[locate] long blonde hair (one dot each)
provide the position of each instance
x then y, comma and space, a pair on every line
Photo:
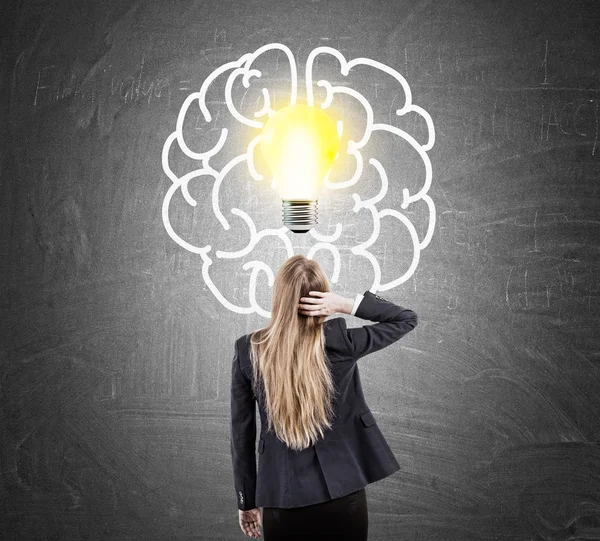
289, 355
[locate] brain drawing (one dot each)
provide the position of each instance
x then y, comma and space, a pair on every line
221, 193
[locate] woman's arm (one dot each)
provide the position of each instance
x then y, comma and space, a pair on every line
393, 320
243, 436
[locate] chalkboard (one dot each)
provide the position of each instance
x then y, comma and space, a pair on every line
117, 339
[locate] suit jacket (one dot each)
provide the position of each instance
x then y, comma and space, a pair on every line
352, 454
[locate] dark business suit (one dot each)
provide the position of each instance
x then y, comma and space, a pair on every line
352, 454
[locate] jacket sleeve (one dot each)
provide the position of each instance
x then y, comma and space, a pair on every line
393, 322
243, 436
357, 302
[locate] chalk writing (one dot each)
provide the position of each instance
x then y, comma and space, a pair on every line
560, 288
52, 86
545, 64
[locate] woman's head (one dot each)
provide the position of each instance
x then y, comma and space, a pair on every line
295, 279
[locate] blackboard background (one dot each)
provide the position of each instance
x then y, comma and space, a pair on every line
115, 359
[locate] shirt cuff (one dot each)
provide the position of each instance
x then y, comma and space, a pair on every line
357, 301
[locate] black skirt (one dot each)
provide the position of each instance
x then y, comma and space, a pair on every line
344, 518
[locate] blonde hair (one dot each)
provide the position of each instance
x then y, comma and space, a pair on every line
289, 355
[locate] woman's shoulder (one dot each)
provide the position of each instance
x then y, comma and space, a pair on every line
333, 323
244, 340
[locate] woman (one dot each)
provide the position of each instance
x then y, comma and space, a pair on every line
319, 444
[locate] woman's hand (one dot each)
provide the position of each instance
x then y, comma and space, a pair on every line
250, 520
324, 303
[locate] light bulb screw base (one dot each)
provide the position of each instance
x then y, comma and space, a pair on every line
299, 215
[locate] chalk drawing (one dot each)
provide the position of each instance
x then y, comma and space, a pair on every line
242, 70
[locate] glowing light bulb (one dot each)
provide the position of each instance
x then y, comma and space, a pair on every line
300, 144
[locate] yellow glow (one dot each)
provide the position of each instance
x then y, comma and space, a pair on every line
300, 144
